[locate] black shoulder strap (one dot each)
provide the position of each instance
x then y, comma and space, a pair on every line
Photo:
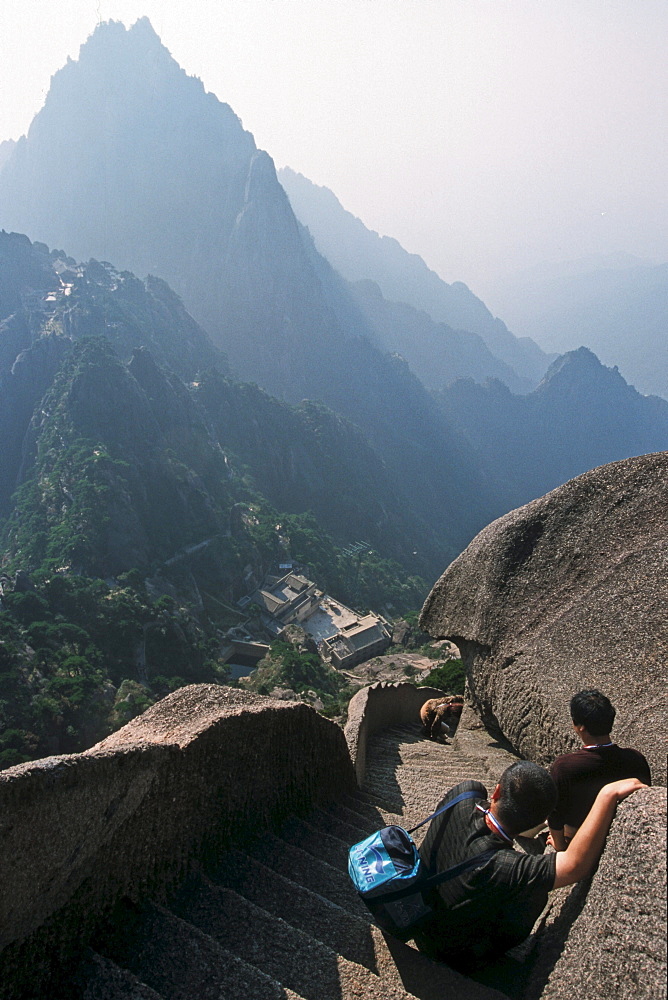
428, 883
459, 869
471, 794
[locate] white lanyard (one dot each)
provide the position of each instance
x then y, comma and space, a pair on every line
596, 746
494, 822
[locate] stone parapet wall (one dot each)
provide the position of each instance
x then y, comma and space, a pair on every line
202, 770
377, 706
616, 947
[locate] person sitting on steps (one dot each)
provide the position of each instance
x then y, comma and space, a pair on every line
439, 712
479, 915
579, 775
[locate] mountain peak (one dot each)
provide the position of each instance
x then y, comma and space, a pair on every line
113, 32
144, 29
581, 367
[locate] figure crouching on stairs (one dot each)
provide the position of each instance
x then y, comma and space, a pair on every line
439, 712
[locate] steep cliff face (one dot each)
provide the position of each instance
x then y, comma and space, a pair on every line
47, 303
108, 489
79, 178
567, 593
130, 160
307, 458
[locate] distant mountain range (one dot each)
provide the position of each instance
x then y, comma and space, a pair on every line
581, 415
147, 170
436, 353
360, 254
616, 305
130, 162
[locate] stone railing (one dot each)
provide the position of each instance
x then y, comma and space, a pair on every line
203, 769
377, 706
609, 940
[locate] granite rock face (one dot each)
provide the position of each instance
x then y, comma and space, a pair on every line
617, 946
568, 592
202, 770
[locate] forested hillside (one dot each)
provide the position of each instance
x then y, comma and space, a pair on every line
144, 491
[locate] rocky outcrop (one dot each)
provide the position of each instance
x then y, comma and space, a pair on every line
617, 946
565, 593
199, 772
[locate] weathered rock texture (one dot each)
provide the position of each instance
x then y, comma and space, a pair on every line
568, 592
617, 946
197, 773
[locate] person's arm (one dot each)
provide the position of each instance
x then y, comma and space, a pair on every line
579, 859
557, 839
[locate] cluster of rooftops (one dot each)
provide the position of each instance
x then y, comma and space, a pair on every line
343, 637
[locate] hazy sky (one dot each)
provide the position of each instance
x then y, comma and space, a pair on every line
485, 135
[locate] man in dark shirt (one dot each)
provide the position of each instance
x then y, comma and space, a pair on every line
481, 914
580, 775
488, 910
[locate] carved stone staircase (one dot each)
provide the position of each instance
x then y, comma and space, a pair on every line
281, 919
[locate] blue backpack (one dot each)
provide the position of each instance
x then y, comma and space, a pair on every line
390, 876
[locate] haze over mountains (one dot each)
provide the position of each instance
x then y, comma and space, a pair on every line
132, 163
617, 305
106, 365
582, 414
359, 253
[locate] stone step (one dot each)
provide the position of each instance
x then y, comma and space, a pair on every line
399, 745
295, 958
299, 906
101, 979
337, 826
415, 755
353, 938
362, 824
441, 776
318, 842
405, 731
361, 807
375, 817
451, 760
428, 750
332, 882
182, 962
434, 980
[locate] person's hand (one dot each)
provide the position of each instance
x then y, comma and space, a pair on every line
623, 788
